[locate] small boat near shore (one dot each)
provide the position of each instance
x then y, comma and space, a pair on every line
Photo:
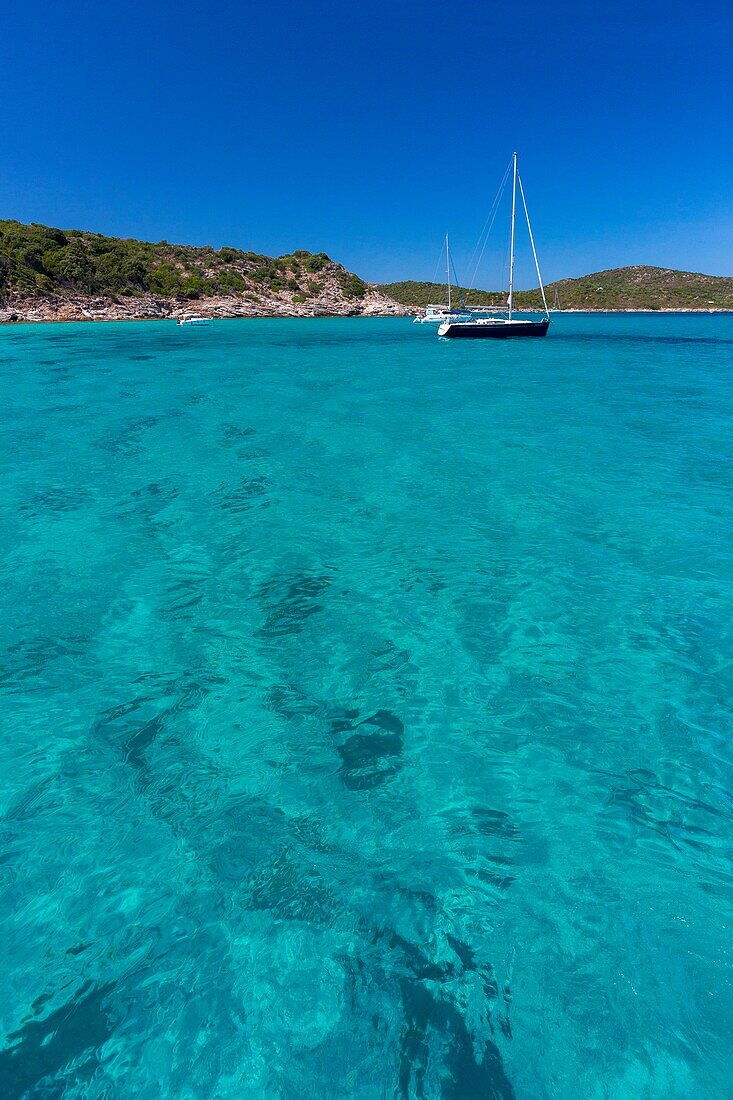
436, 314
504, 328
193, 319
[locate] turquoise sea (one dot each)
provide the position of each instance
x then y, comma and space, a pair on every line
366, 705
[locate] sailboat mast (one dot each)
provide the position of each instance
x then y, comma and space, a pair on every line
511, 246
534, 250
447, 266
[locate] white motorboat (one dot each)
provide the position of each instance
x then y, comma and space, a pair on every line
435, 315
193, 319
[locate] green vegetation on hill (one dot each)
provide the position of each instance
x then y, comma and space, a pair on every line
38, 261
419, 295
643, 288
620, 288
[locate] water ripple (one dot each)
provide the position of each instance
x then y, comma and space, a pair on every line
366, 711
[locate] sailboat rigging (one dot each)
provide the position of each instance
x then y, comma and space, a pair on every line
435, 314
509, 326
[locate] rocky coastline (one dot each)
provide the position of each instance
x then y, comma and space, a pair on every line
49, 274
153, 307
146, 307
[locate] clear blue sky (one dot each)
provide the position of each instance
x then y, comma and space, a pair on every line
367, 130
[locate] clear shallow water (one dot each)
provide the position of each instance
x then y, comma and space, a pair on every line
367, 709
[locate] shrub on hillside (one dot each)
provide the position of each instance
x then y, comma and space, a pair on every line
351, 285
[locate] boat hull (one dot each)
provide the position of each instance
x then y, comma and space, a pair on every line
506, 330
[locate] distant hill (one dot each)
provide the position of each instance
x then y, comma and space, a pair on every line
620, 288
418, 295
48, 273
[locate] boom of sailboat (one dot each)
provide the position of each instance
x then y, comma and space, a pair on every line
467, 322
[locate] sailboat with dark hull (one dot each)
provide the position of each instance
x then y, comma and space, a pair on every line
509, 327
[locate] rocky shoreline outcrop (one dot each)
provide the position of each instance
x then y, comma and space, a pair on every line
147, 307
49, 274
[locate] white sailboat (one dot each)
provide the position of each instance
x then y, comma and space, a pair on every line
436, 314
503, 328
